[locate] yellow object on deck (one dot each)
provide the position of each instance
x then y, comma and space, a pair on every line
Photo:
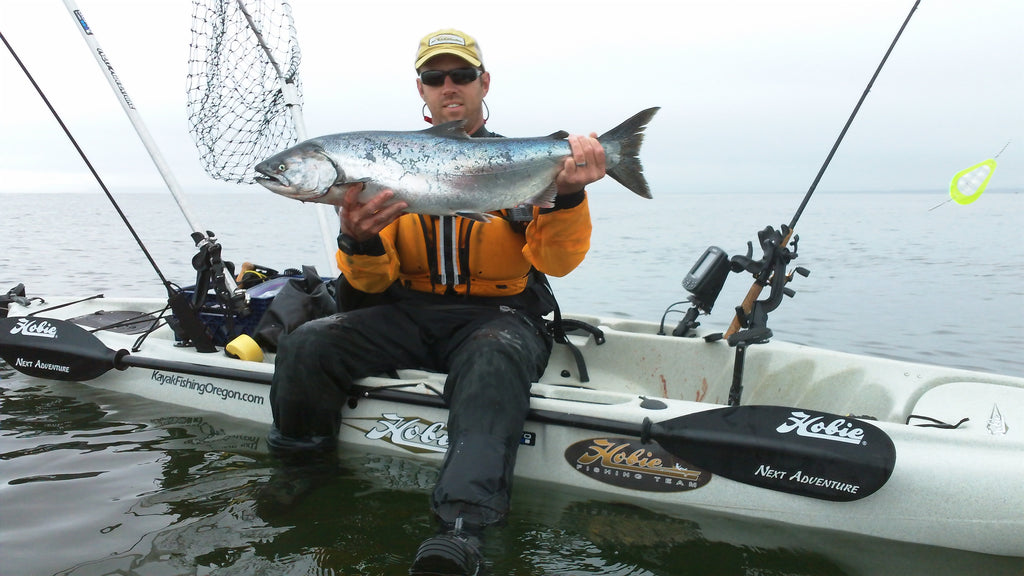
245, 348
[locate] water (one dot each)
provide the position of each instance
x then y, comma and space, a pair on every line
96, 483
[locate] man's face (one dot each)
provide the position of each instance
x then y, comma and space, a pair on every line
451, 101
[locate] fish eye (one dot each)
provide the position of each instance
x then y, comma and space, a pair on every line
281, 167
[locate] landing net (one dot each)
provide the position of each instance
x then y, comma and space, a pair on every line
243, 84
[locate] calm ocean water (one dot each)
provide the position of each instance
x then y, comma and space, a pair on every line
95, 483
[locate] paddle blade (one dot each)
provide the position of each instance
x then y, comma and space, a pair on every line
53, 349
802, 452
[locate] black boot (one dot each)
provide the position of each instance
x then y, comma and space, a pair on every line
452, 553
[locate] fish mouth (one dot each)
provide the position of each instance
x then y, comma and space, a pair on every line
271, 181
269, 178
279, 184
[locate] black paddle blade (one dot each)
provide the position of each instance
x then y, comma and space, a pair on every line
53, 349
802, 452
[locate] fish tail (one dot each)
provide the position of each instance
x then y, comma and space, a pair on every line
628, 137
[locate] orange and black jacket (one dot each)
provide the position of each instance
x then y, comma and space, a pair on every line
453, 255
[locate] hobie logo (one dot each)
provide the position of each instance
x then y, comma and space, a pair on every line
413, 434
39, 328
621, 462
838, 430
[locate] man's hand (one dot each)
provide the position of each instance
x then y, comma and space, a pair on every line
585, 166
363, 221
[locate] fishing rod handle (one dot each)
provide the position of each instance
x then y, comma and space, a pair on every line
760, 281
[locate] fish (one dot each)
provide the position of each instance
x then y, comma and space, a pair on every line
443, 171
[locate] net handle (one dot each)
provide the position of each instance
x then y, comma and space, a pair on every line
291, 96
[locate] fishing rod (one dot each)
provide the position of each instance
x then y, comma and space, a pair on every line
188, 322
211, 270
768, 272
705, 279
85, 158
208, 263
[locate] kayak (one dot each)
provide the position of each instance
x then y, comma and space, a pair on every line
820, 439
687, 424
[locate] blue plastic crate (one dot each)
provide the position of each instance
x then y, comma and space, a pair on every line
214, 316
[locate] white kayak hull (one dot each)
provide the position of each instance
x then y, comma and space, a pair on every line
956, 488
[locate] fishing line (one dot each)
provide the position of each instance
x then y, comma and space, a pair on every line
1003, 148
88, 164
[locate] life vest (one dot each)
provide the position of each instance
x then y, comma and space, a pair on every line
453, 255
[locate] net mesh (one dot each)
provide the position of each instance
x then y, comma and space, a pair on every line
243, 79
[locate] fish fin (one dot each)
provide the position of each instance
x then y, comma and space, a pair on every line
453, 129
629, 135
546, 199
478, 216
560, 135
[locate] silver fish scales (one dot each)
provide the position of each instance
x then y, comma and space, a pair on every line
443, 171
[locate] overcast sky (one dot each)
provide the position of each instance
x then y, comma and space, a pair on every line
753, 93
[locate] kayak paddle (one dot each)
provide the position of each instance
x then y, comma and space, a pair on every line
792, 450
61, 350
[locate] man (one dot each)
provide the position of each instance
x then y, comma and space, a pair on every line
461, 300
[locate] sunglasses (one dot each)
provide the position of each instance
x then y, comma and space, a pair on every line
459, 75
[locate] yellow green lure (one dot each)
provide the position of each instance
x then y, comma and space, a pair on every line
968, 184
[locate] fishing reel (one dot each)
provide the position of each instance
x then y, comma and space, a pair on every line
750, 325
706, 278
212, 271
769, 270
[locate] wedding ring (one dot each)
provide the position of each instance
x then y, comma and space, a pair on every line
581, 164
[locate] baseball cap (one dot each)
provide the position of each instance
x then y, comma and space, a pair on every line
449, 41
